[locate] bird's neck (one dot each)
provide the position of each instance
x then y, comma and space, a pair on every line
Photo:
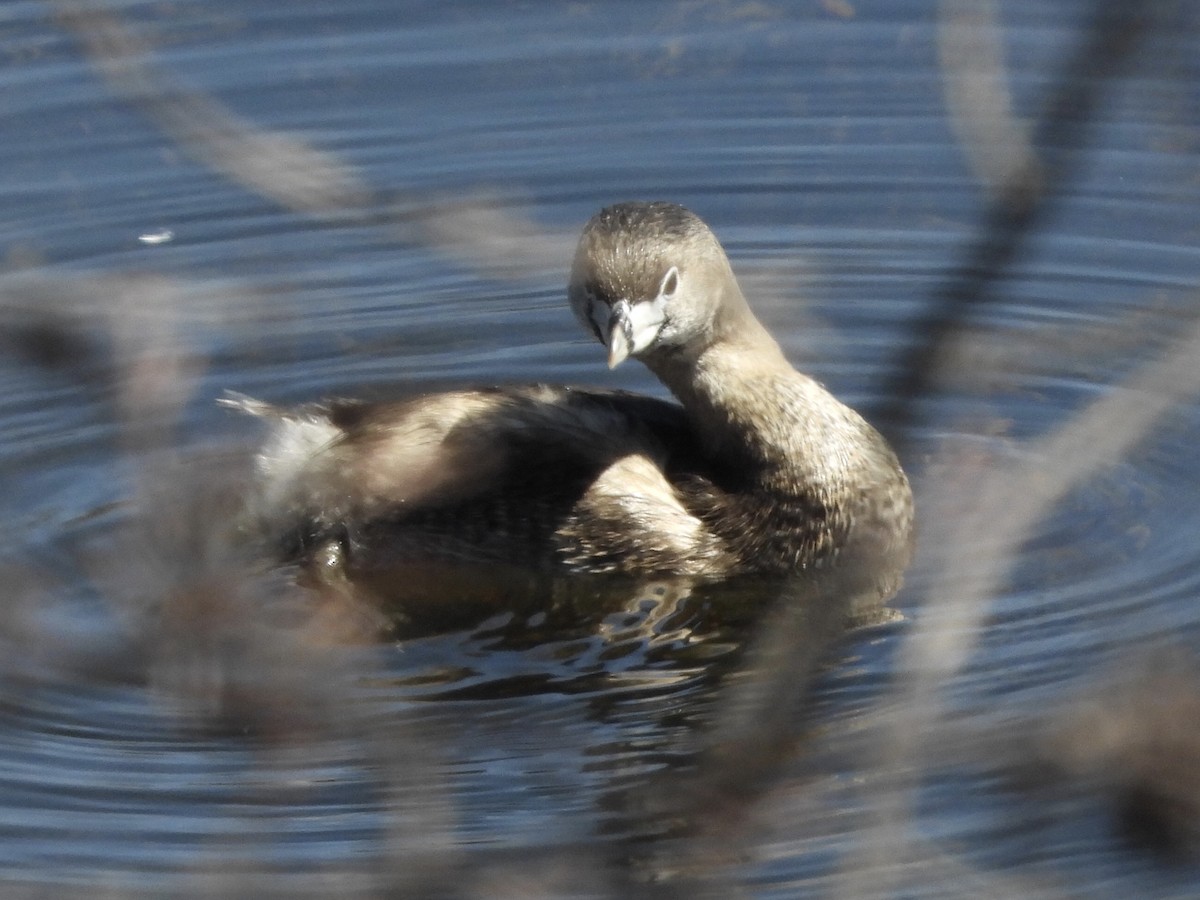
786, 454
754, 412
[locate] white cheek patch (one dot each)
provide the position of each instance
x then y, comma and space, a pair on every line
645, 320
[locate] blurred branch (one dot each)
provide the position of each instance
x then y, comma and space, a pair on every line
121, 337
970, 48
289, 172
476, 231
1111, 37
972, 552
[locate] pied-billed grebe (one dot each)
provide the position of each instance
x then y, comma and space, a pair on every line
758, 469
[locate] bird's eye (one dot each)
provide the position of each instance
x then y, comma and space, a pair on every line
670, 283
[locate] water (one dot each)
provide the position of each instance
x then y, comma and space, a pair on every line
208, 755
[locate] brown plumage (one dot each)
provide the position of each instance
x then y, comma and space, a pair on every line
757, 469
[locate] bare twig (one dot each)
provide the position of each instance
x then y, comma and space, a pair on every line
288, 171
973, 79
1060, 136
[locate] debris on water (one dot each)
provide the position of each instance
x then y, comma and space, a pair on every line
159, 236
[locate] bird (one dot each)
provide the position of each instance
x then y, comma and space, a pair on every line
753, 469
